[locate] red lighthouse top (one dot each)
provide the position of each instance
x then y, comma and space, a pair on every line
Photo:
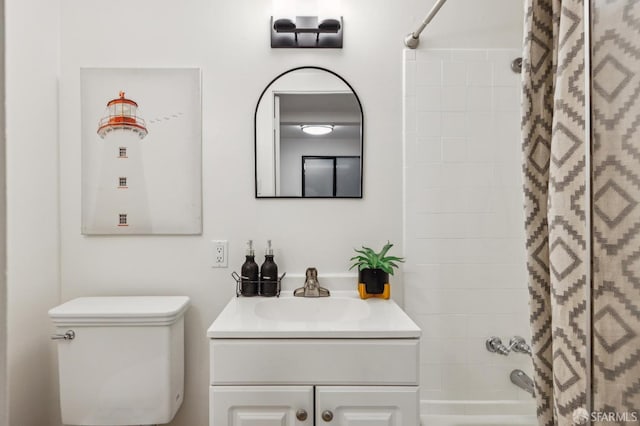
121, 115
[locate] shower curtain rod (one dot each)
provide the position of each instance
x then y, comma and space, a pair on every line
413, 39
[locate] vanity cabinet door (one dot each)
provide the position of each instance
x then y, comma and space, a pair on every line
261, 406
367, 406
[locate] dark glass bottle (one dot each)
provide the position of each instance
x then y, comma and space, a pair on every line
249, 273
269, 274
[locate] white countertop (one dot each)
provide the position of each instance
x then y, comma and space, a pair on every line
341, 315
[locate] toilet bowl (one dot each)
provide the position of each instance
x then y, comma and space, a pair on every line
120, 359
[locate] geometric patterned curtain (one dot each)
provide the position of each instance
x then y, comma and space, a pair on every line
616, 210
554, 169
553, 129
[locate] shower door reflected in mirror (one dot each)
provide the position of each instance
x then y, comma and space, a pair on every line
309, 113
330, 176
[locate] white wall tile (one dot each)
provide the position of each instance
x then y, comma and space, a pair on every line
409, 115
507, 125
409, 55
443, 351
433, 55
428, 150
502, 73
409, 80
429, 98
462, 377
483, 149
429, 123
430, 377
425, 175
423, 275
479, 124
505, 173
469, 55
428, 73
479, 99
468, 175
465, 274
430, 225
454, 149
506, 98
454, 74
490, 276
467, 250
429, 202
453, 124
438, 301
467, 200
454, 98
438, 326
499, 301
479, 73
501, 325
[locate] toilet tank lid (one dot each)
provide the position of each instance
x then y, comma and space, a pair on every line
123, 310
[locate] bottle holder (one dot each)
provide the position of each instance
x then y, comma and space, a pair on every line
258, 283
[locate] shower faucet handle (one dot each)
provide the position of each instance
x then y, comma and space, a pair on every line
518, 344
494, 344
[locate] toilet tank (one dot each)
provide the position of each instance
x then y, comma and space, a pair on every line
125, 365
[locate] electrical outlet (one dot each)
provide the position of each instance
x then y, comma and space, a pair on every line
220, 252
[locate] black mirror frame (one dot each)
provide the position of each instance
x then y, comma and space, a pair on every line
255, 139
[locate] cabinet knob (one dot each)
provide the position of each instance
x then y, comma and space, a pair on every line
301, 414
327, 415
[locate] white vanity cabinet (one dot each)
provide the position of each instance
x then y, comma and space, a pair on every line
261, 405
366, 405
294, 405
281, 372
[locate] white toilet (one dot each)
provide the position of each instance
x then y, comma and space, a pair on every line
120, 359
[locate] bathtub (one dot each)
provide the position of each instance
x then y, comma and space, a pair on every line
477, 413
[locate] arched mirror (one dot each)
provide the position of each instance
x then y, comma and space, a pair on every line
308, 137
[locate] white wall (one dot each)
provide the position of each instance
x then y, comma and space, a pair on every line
32, 55
465, 276
229, 41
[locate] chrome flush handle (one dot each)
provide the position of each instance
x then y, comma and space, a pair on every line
69, 335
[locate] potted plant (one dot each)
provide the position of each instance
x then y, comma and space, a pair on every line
374, 270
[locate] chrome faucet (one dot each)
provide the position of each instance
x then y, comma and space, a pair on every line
494, 344
518, 344
311, 286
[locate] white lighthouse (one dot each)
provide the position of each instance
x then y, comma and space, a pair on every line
121, 202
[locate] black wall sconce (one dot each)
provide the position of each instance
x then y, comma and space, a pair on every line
306, 32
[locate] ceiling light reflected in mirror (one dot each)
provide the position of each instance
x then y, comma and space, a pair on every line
317, 129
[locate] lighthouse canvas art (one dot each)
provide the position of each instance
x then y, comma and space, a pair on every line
141, 151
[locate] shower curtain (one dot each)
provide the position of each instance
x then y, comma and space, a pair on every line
554, 175
577, 356
615, 94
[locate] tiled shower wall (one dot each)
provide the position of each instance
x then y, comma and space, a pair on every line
465, 270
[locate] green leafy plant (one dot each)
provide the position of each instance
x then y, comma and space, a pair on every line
369, 259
